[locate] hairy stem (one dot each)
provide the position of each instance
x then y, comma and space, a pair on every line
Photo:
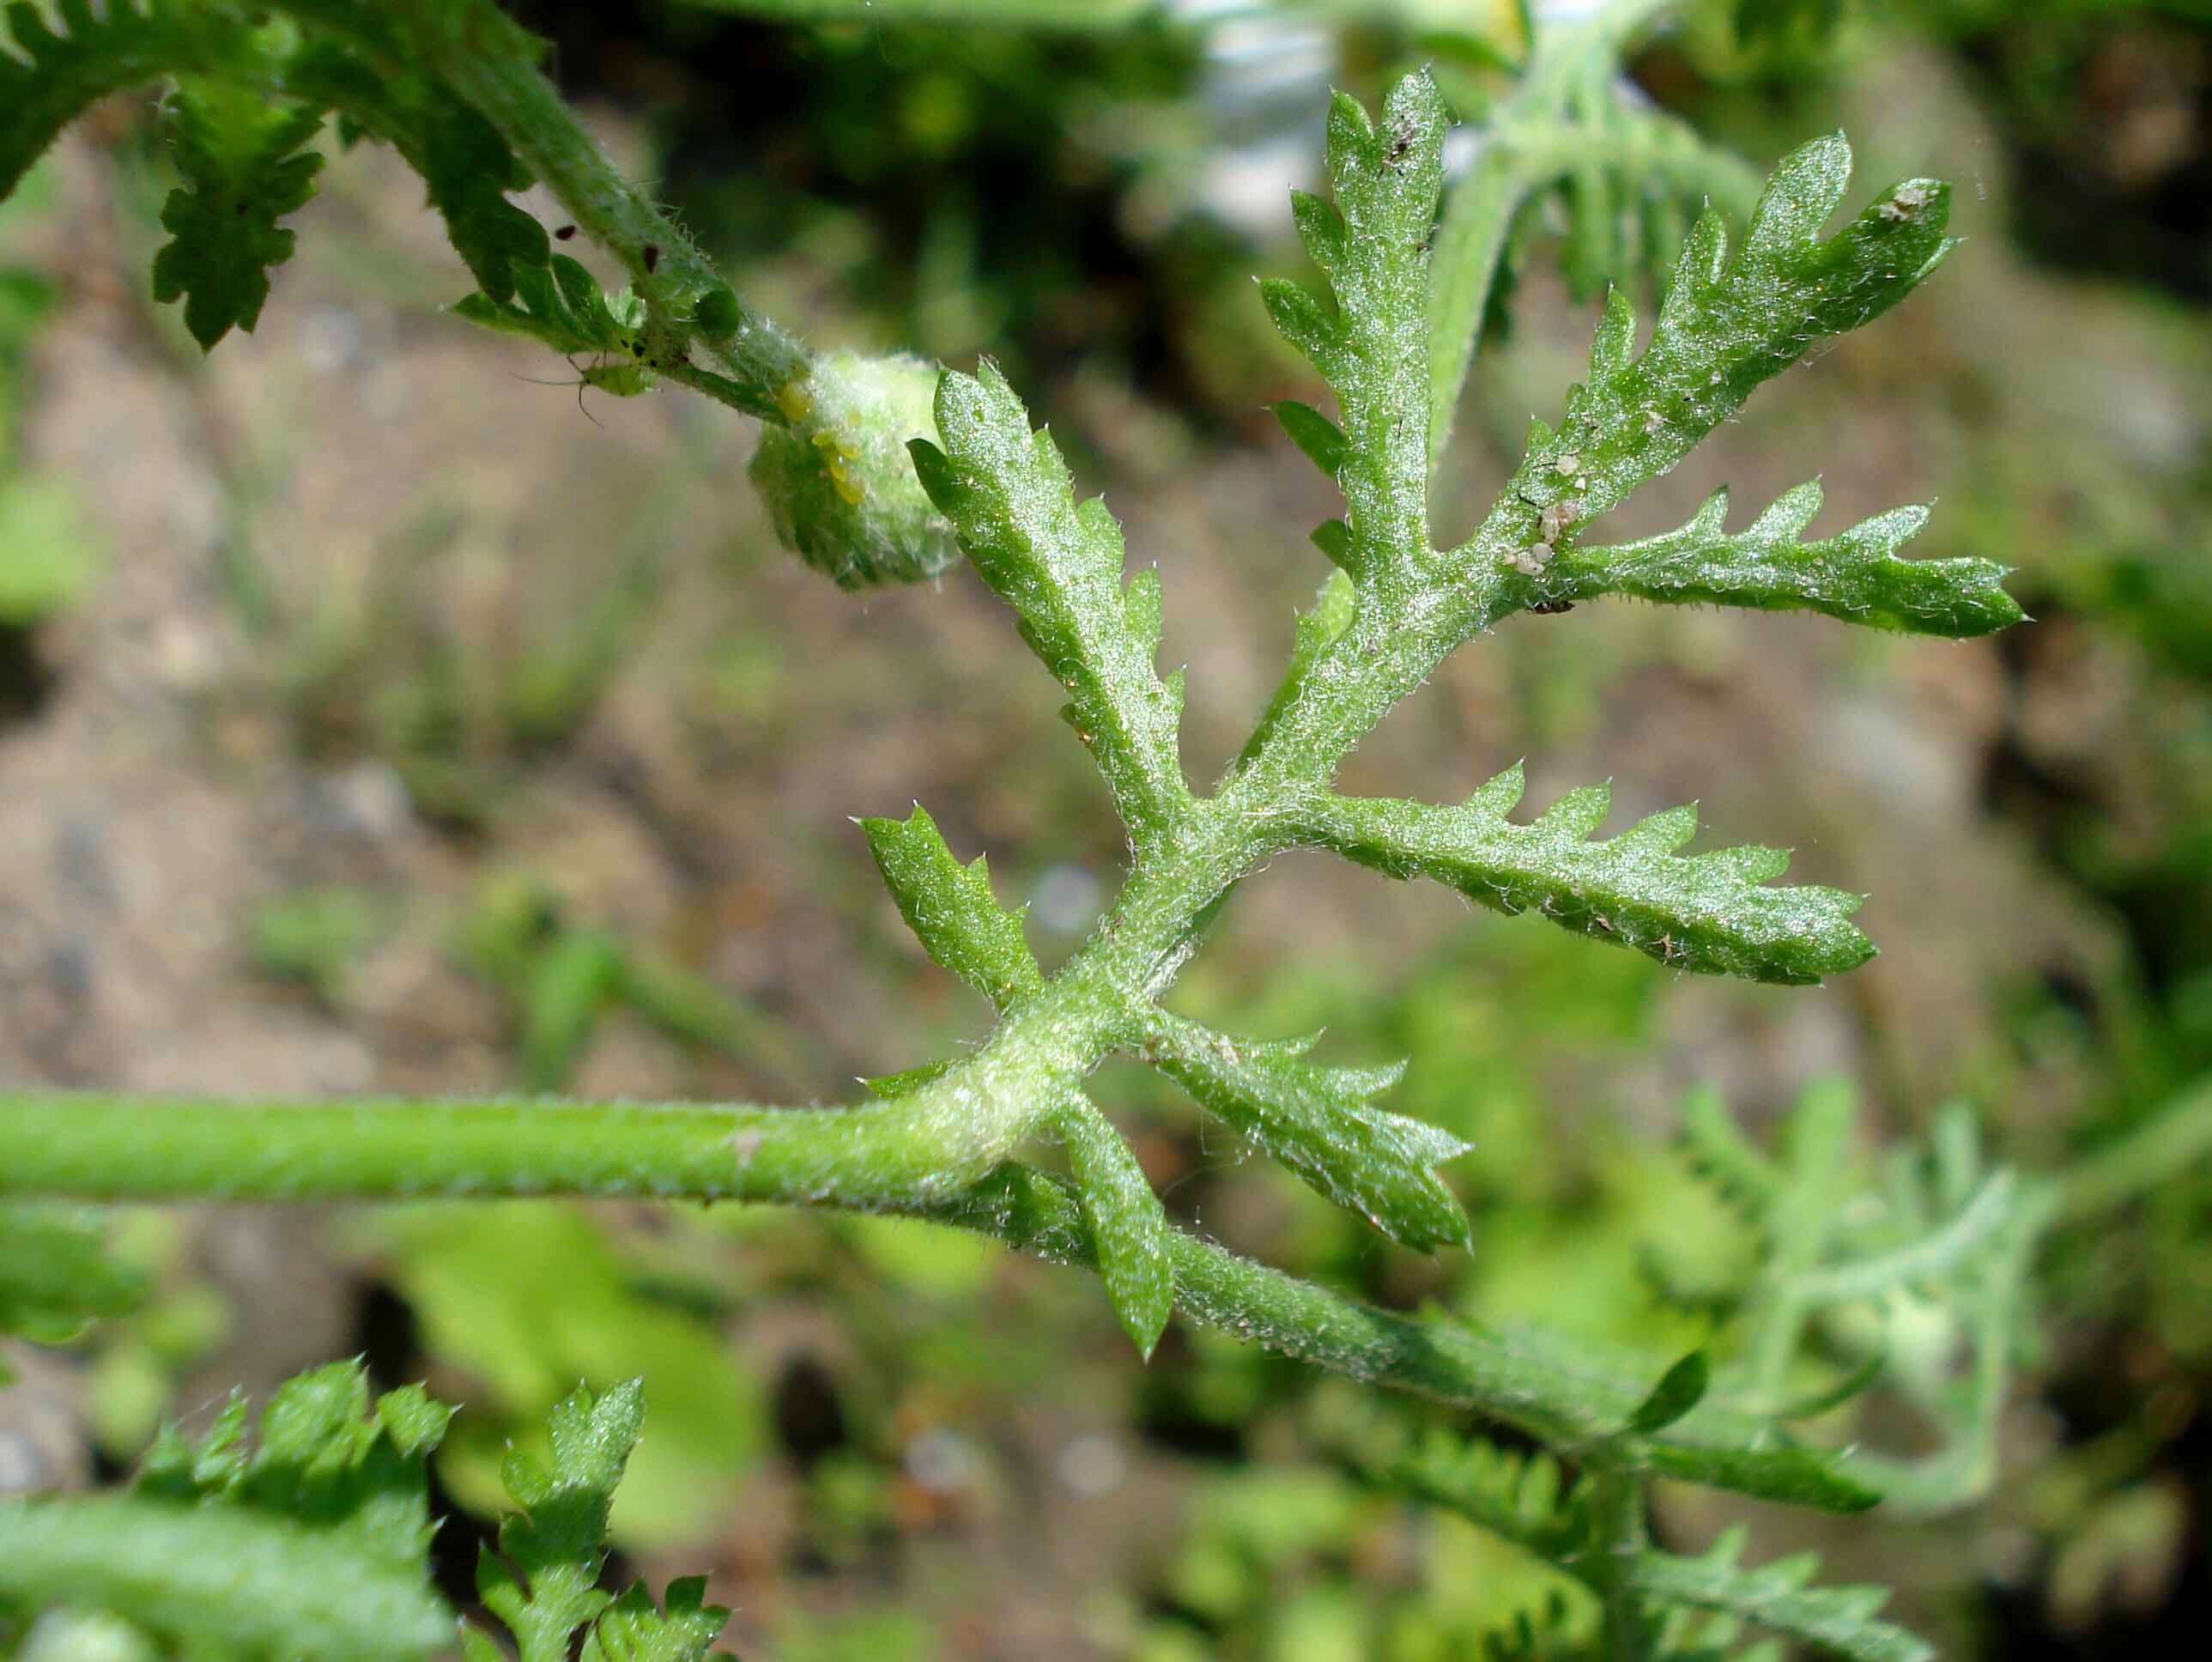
114, 1146
1618, 1537
489, 62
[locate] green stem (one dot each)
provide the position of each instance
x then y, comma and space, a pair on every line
1470, 246
2177, 1135
1618, 1539
1799, 1226
115, 1147
491, 63
1562, 119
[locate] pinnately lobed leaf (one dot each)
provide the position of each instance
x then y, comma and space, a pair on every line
1726, 325
561, 304
1712, 913
543, 1580
311, 1541
1372, 350
244, 168
466, 167
1630, 176
1854, 575
951, 909
52, 75
1322, 1124
1841, 1621
1394, 609
1059, 565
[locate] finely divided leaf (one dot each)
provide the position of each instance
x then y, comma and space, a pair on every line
1841, 1621
1855, 575
632, 1630
244, 168
1718, 1151
1633, 178
1372, 348
217, 1581
323, 1458
464, 162
1059, 565
1520, 1497
1978, 1226
543, 1580
312, 1541
562, 304
1128, 1226
123, 45
951, 909
1322, 1124
1726, 325
1711, 912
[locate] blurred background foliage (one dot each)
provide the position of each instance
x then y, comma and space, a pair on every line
373, 718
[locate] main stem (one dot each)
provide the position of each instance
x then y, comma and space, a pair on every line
107, 1147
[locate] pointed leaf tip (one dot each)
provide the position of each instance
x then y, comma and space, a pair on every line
1807, 187
1128, 1226
1680, 1389
951, 909
1321, 438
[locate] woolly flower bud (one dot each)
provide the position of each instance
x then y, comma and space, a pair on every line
838, 479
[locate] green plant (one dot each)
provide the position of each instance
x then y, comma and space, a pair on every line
333, 1498
47, 557
311, 1538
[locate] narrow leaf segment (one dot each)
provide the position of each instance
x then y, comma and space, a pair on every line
1129, 1227
1322, 1124
1059, 565
1779, 1597
1524, 1499
1726, 326
1680, 1389
543, 1580
1372, 348
245, 167
1712, 913
950, 908
311, 1540
1854, 575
